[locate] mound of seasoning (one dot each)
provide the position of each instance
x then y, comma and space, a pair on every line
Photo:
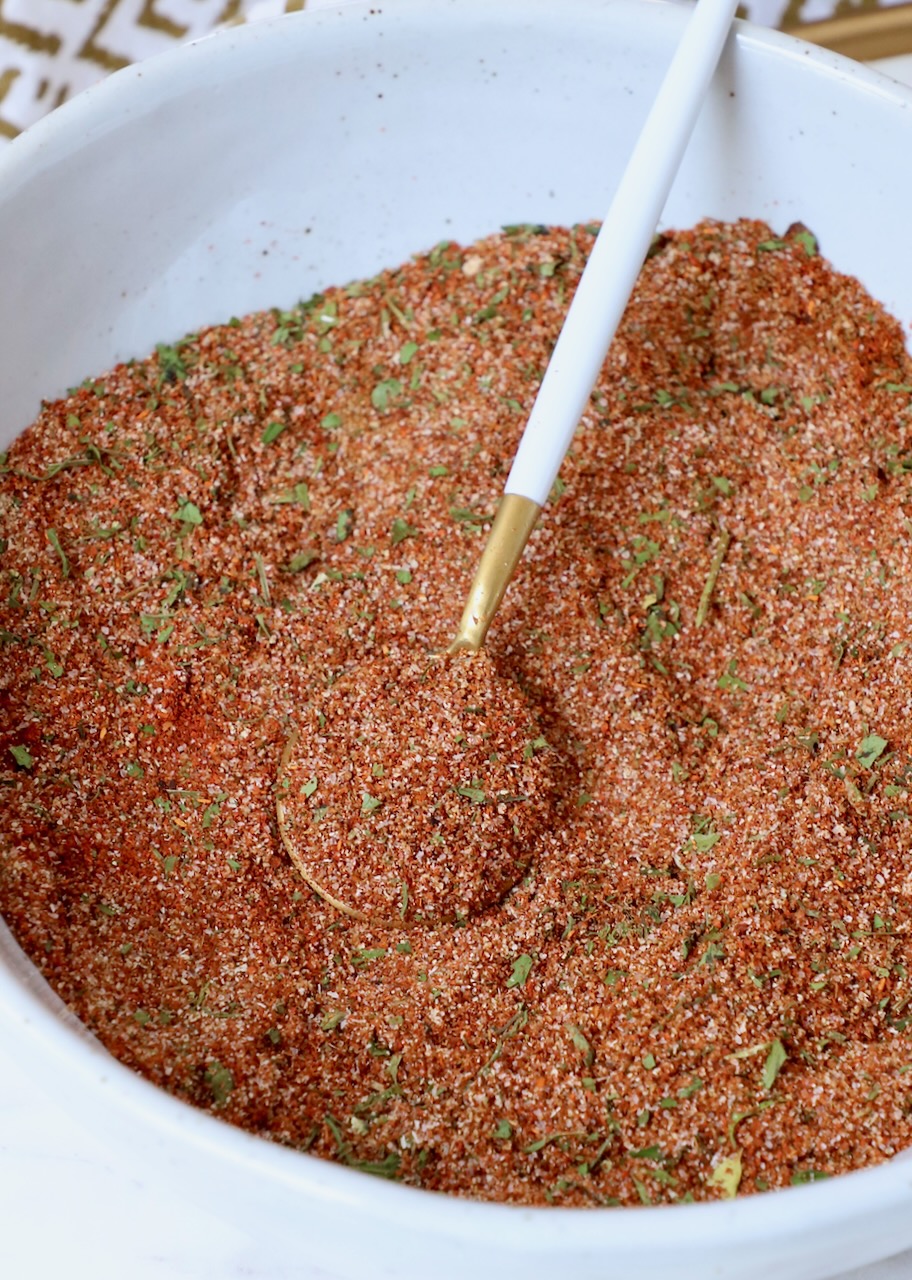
416, 793
699, 982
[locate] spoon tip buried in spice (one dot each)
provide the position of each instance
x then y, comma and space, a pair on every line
416, 795
516, 518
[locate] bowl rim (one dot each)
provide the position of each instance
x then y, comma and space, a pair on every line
85, 111
34, 1011
30, 1011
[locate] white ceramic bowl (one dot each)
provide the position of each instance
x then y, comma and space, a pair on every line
247, 171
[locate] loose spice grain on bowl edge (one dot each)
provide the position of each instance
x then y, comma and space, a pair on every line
701, 983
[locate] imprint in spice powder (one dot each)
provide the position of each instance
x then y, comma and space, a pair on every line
664, 818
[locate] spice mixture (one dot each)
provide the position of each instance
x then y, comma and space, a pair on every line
700, 980
451, 754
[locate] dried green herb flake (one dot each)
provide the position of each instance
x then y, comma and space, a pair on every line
51, 535
871, 749
580, 1043
188, 513
220, 1082
726, 1175
401, 530
272, 431
522, 967
775, 1060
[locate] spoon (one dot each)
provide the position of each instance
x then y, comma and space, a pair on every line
429, 835
595, 312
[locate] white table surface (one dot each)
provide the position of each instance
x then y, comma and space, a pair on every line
68, 1209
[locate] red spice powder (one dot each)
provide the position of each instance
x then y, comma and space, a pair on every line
700, 980
416, 793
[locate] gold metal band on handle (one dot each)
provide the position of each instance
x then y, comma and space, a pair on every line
515, 520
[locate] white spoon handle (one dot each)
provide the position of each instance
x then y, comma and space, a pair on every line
598, 304
618, 254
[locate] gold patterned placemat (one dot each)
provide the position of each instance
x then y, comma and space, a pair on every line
860, 30
52, 49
